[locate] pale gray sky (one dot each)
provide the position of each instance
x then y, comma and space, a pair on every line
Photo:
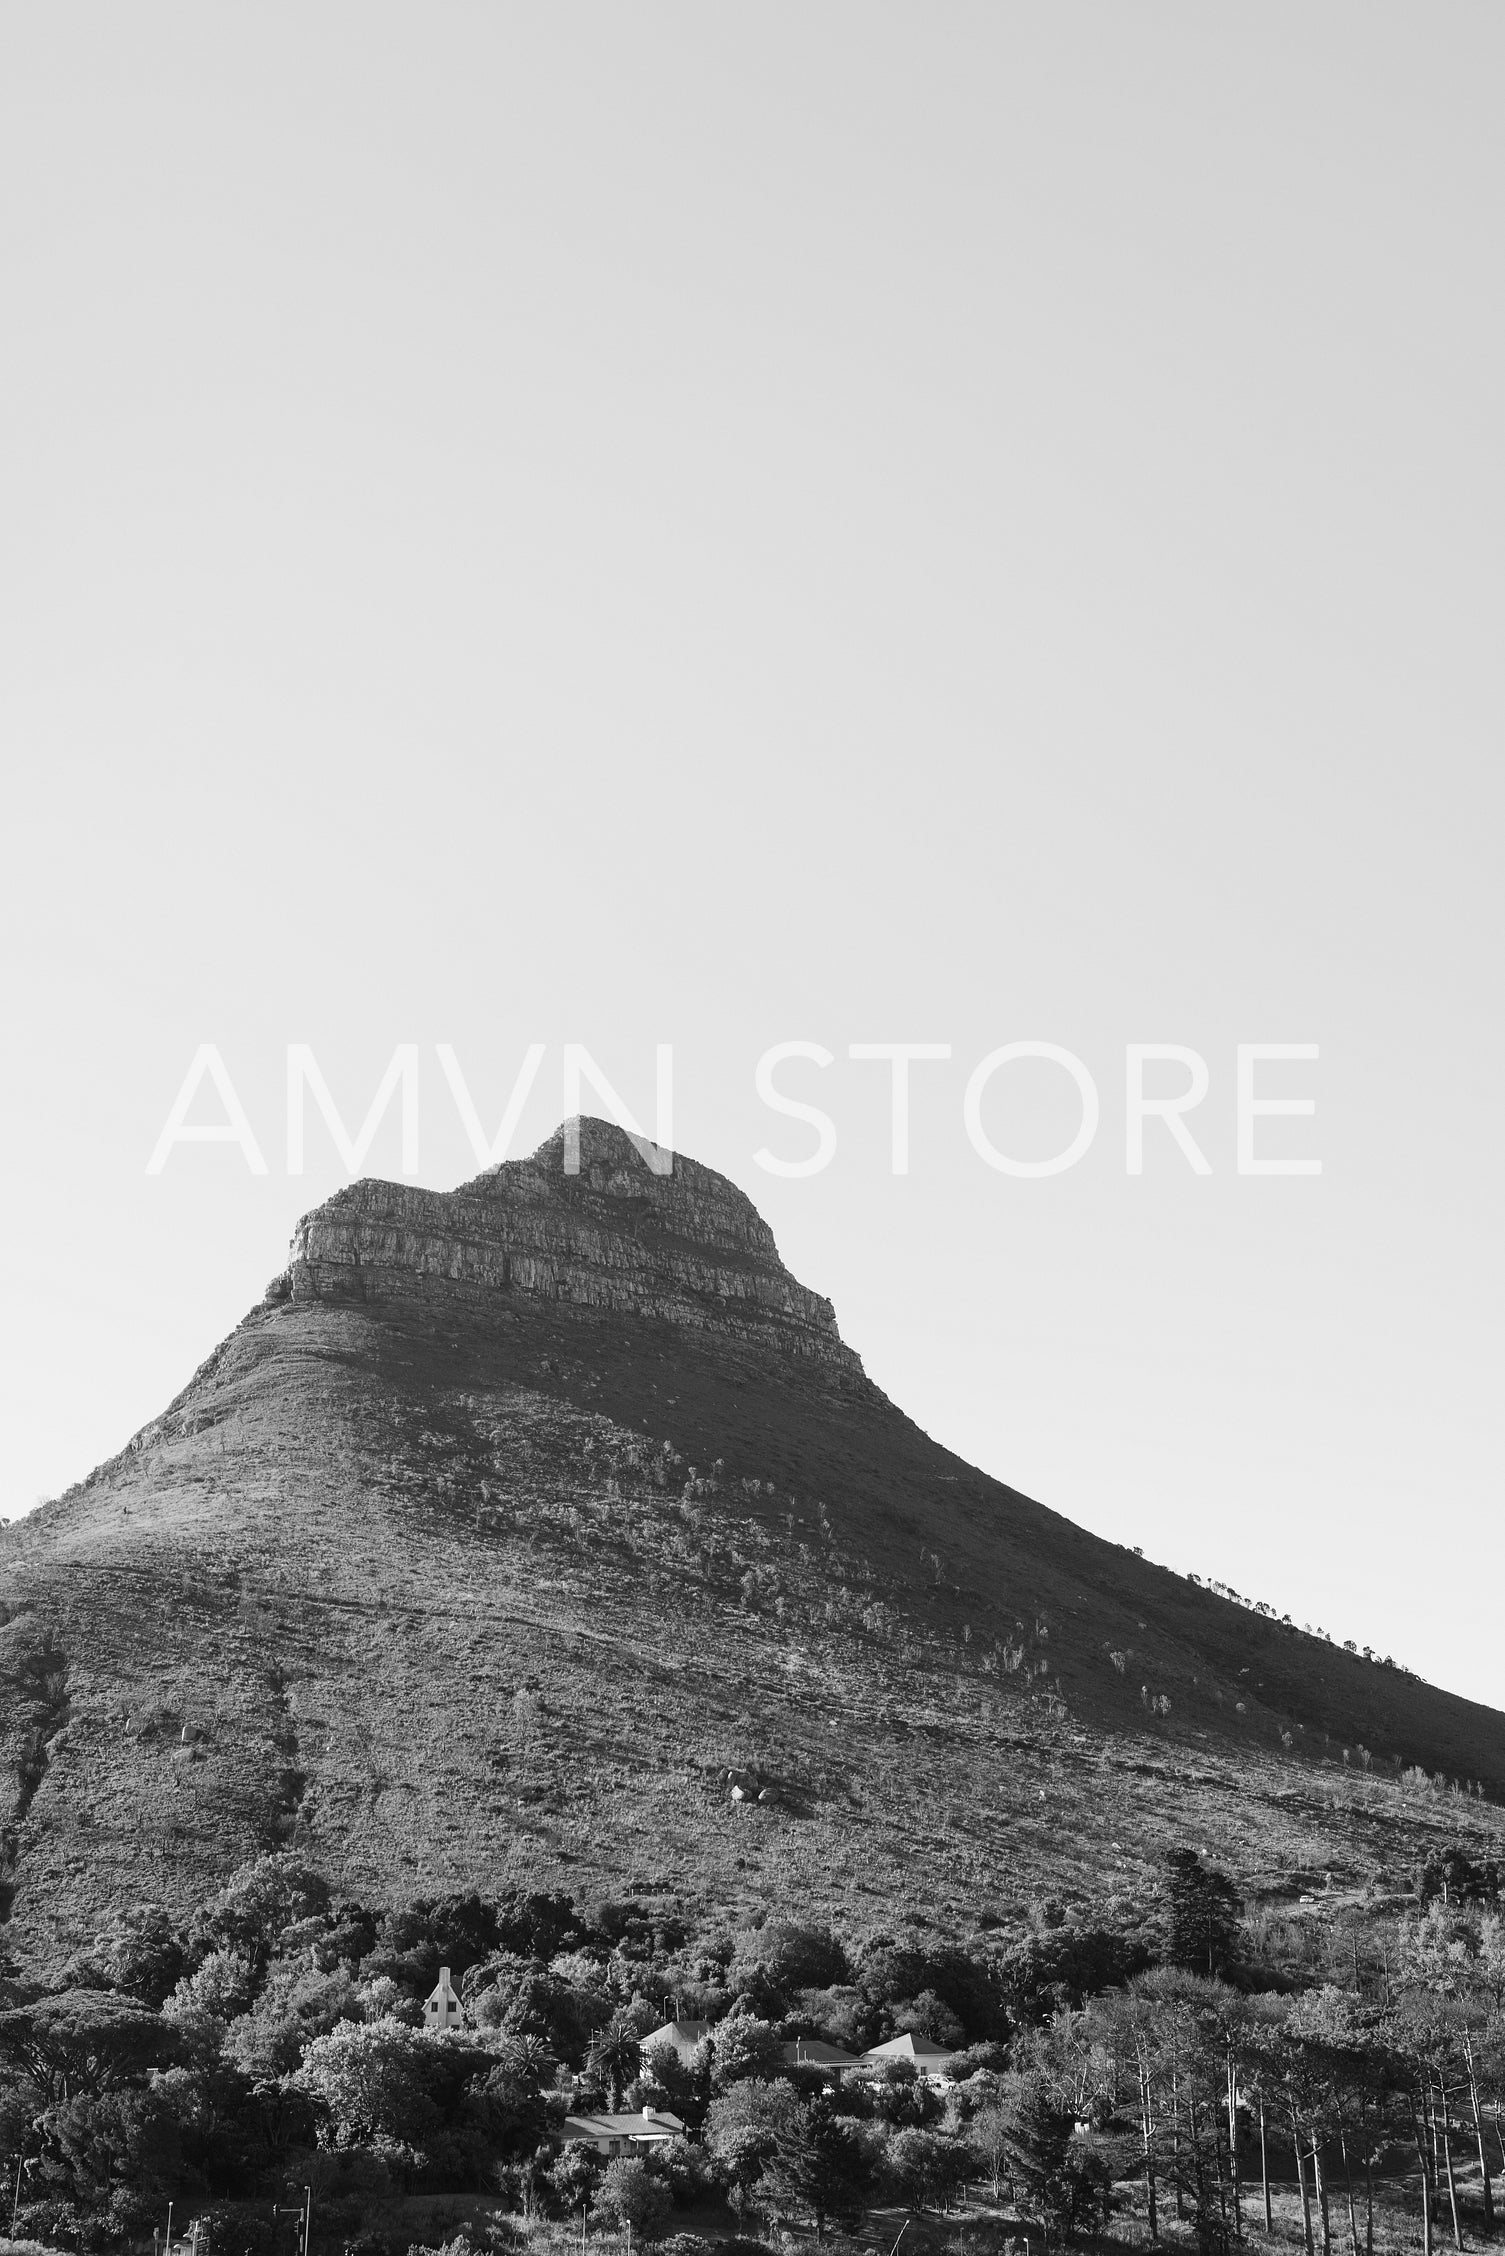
838, 523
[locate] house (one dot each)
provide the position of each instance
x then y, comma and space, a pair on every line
929, 2060
814, 2052
683, 2035
622, 2134
441, 2008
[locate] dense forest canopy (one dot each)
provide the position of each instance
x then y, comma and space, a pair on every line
1197, 2075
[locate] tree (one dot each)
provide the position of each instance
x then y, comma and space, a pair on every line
900, 2095
629, 2194
743, 2046
298, 2002
664, 2080
108, 2141
1203, 1909
1066, 1966
505, 2109
575, 2175
1422, 2037
1454, 1956
771, 1965
256, 1904
906, 1979
818, 2165
616, 2053
140, 1952
382, 2080
987, 2135
746, 2126
929, 2016
1450, 1875
84, 2041
1064, 2189
418, 1938
219, 1989
1127, 2025
928, 2167
1339, 2072
804, 1958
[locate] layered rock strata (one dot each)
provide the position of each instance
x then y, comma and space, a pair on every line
612, 1236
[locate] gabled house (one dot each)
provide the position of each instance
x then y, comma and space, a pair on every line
929, 2060
814, 2052
683, 2035
622, 2134
442, 2008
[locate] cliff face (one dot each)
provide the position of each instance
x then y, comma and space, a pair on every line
585, 1223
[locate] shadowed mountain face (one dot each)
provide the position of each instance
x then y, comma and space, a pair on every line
516, 1518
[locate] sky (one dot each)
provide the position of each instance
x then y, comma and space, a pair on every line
836, 524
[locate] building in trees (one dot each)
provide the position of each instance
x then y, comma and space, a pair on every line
929, 2059
442, 2008
622, 2133
684, 2036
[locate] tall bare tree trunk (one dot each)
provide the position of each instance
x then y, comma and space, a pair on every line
1199, 2168
1353, 2215
1147, 2125
1447, 2156
1368, 2190
1321, 2184
1233, 2154
1473, 2097
1306, 2206
1426, 2184
1264, 2165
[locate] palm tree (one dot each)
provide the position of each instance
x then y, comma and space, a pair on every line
528, 2056
616, 2054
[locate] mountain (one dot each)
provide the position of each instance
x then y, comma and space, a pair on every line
546, 1531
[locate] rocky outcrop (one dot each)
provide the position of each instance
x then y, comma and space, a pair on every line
613, 1236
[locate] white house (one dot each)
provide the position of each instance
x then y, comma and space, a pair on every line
441, 2008
930, 2060
684, 2036
623, 2134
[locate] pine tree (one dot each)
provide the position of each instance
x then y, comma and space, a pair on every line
1204, 1908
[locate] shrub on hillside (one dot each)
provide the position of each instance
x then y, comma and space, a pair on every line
631, 2194
901, 2097
927, 2168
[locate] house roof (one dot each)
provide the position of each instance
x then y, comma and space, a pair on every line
657, 2124
910, 2047
678, 2033
814, 2052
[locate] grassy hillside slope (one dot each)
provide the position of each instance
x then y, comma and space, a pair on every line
452, 1587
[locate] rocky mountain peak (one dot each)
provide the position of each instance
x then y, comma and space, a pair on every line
587, 1223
